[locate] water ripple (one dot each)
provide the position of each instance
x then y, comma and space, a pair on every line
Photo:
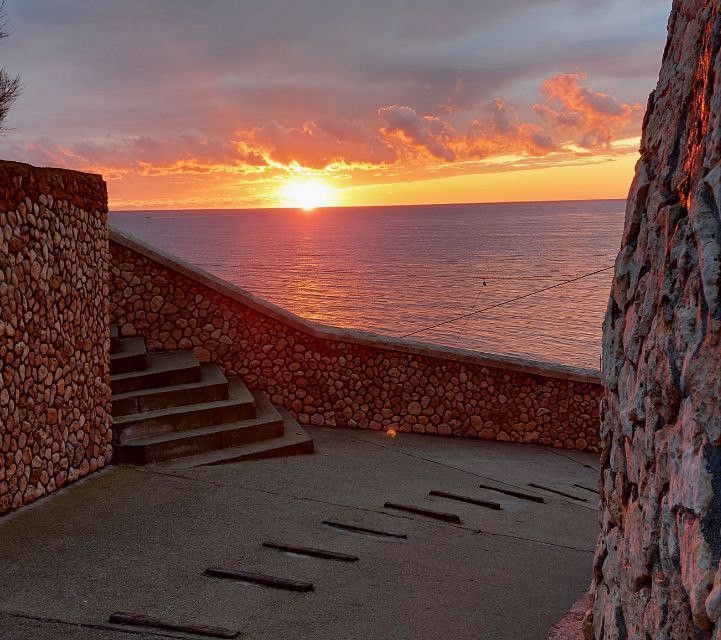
395, 270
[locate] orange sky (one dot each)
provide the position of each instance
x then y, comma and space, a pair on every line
564, 174
245, 105
604, 177
571, 142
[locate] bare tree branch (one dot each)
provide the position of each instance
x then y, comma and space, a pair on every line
3, 22
10, 87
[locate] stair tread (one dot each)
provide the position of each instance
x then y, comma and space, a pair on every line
293, 435
162, 361
238, 394
129, 347
238, 454
266, 413
209, 374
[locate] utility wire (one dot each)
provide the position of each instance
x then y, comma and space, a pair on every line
500, 304
473, 310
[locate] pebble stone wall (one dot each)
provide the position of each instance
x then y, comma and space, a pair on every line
55, 424
337, 378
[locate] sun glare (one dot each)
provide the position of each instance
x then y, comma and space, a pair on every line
307, 194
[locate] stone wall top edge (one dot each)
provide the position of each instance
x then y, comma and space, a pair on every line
20, 181
364, 338
20, 167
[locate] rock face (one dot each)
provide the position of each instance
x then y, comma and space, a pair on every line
54, 330
347, 379
656, 569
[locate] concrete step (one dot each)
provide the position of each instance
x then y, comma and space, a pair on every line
240, 405
294, 441
211, 387
267, 425
114, 338
164, 369
130, 356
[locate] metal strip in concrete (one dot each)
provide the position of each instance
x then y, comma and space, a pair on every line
477, 501
436, 515
556, 491
580, 486
137, 620
259, 578
314, 553
356, 529
514, 494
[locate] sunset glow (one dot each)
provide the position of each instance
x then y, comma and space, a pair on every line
439, 114
307, 194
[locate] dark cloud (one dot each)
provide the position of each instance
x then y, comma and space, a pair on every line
113, 83
189, 152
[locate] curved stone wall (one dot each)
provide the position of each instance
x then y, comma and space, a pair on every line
339, 378
55, 424
656, 570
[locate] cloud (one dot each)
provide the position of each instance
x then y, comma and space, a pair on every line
500, 130
157, 67
568, 117
316, 145
404, 128
592, 118
189, 152
497, 130
156, 94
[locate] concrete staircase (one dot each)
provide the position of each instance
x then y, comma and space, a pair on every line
168, 405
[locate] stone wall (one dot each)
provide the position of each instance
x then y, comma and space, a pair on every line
338, 378
54, 338
656, 571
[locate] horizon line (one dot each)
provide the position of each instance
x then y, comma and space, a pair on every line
373, 206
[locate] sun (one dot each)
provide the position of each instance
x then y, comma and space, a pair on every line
307, 194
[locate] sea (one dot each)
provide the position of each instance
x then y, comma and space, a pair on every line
529, 280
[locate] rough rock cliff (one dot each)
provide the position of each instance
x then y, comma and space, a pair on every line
656, 570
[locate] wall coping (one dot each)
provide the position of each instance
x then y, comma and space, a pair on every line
353, 336
59, 171
26, 182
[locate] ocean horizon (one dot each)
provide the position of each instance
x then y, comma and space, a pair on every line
492, 278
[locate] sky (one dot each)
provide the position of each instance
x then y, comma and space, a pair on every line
266, 103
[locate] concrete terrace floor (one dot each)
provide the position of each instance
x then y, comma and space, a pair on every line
138, 539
